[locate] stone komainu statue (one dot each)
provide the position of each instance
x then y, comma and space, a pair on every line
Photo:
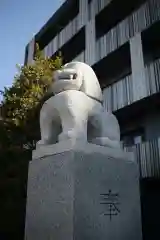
76, 110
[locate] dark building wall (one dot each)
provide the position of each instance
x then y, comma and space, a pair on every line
150, 199
150, 123
152, 126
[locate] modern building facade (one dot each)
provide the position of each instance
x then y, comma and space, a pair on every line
121, 41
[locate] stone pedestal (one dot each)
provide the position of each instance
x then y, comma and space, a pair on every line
82, 192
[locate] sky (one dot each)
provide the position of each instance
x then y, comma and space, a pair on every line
20, 20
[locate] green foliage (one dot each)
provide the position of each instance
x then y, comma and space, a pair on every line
22, 99
29, 86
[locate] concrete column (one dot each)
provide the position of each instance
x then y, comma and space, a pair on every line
90, 40
138, 70
92, 9
31, 51
83, 12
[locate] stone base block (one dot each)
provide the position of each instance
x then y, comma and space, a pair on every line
82, 192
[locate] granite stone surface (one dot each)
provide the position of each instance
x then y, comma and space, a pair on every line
86, 192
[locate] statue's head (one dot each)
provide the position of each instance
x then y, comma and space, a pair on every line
77, 76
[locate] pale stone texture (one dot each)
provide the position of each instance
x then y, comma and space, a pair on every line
64, 194
76, 110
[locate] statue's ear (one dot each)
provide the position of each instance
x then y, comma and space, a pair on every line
90, 86
82, 88
65, 65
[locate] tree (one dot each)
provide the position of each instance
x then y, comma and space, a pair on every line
18, 128
21, 101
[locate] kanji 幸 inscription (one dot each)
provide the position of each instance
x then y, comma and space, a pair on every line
111, 200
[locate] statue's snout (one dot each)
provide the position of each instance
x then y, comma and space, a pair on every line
65, 74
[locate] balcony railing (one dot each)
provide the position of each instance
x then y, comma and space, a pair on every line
147, 155
100, 5
64, 36
152, 73
120, 94
139, 20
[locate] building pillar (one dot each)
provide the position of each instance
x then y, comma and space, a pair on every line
83, 12
31, 51
90, 40
138, 70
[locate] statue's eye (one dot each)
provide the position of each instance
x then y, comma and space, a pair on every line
64, 76
75, 76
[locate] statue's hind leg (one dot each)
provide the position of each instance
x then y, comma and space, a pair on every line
106, 130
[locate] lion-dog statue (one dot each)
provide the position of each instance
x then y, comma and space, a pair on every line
75, 111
